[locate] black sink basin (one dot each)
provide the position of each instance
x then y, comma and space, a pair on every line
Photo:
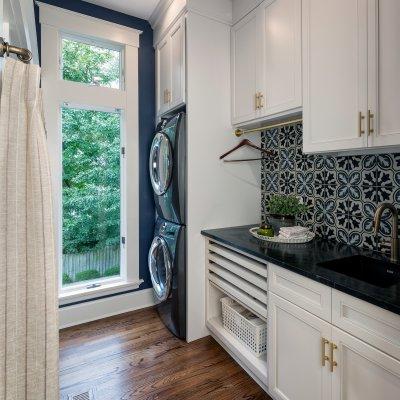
367, 269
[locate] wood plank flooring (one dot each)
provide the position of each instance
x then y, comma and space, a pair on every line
134, 357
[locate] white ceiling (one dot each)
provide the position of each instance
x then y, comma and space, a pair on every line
137, 8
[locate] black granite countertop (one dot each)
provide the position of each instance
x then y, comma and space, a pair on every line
304, 259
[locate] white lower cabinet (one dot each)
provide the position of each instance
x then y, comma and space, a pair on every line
295, 353
362, 371
322, 344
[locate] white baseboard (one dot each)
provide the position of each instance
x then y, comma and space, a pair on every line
103, 308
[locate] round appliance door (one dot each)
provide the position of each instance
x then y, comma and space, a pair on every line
160, 266
160, 163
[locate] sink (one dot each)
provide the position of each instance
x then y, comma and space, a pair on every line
367, 269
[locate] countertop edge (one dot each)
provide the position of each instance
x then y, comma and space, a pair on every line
325, 281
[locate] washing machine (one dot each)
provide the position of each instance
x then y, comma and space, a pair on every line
167, 166
167, 265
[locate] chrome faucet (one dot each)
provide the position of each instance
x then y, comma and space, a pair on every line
395, 220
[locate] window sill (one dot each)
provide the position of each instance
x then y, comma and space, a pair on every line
72, 295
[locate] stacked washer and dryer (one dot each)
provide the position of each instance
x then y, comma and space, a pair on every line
167, 255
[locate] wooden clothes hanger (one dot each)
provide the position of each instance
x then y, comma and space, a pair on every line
247, 142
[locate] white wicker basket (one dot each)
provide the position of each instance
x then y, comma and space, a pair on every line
245, 326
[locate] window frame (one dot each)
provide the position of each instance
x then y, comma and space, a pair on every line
56, 24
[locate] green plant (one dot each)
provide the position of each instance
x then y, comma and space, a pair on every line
112, 271
66, 279
87, 275
286, 205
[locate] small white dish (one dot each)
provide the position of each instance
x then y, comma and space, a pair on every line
279, 239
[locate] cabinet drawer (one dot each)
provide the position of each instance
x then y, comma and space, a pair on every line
373, 325
307, 294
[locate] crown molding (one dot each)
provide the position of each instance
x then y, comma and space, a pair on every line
71, 21
159, 11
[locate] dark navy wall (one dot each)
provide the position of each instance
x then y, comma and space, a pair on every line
146, 113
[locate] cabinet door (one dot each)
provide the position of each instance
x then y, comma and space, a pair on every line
334, 74
163, 56
280, 35
295, 353
384, 76
177, 39
362, 371
244, 65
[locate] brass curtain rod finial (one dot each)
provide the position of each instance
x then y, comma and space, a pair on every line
238, 132
23, 55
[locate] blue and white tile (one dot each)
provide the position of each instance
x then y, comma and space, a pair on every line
304, 162
287, 159
287, 136
287, 182
305, 183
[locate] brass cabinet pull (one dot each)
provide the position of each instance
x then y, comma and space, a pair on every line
332, 361
324, 358
360, 119
257, 99
370, 122
167, 96
261, 97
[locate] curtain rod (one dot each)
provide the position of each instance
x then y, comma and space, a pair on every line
240, 132
24, 55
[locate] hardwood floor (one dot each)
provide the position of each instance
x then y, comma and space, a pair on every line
133, 356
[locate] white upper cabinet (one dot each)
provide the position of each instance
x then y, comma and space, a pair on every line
245, 61
170, 59
351, 59
266, 61
280, 79
384, 76
335, 74
163, 74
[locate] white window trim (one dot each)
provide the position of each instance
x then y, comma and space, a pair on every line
56, 22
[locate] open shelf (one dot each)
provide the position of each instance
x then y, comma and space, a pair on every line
255, 366
230, 274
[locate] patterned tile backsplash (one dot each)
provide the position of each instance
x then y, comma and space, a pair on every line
342, 192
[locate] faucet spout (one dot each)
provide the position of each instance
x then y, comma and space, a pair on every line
395, 223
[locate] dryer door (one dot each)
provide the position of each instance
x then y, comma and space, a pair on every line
160, 163
160, 266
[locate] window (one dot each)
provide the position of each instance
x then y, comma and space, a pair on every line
90, 105
91, 195
91, 64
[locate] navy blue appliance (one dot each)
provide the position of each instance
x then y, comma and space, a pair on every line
167, 264
167, 166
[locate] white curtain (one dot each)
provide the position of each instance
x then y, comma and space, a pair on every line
28, 273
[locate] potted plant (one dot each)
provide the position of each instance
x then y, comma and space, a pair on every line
283, 210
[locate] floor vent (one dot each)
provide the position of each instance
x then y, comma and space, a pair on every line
86, 395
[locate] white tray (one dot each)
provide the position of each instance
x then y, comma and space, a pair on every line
278, 239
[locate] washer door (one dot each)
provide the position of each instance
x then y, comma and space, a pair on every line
160, 163
160, 266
